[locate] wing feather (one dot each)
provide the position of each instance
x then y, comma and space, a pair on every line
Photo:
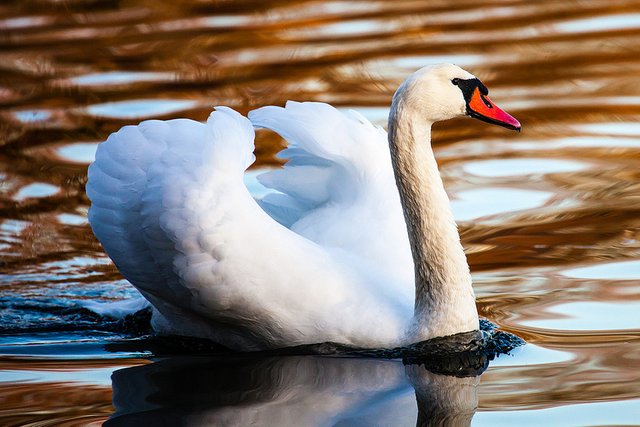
338, 187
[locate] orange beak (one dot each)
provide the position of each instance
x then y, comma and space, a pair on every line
482, 108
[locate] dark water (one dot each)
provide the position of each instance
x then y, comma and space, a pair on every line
550, 219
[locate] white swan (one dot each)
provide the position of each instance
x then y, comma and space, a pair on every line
325, 258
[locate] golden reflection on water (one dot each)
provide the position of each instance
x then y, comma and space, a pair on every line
52, 392
72, 72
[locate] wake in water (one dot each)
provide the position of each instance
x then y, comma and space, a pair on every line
24, 316
120, 327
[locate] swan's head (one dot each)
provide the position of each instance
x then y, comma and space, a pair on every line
444, 91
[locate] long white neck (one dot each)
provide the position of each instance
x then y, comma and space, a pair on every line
444, 302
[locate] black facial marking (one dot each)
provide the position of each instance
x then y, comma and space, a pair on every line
468, 87
483, 88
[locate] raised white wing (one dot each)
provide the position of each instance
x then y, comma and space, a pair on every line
171, 209
337, 187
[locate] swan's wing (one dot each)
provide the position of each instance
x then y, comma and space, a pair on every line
171, 209
337, 187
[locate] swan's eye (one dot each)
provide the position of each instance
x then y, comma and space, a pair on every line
455, 81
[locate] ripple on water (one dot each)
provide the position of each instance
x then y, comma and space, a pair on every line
625, 412
531, 354
79, 152
72, 219
69, 345
414, 62
354, 27
140, 108
98, 376
612, 128
591, 141
36, 190
496, 148
227, 21
590, 316
623, 270
600, 23
119, 78
12, 227
32, 116
477, 203
498, 168
25, 22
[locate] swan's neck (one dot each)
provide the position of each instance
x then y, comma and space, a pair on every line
444, 302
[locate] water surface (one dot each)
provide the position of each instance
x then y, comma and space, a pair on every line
550, 218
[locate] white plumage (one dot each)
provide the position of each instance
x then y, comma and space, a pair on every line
326, 257
171, 209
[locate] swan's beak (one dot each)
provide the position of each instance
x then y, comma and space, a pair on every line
481, 107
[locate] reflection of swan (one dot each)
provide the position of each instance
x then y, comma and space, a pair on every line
443, 400
326, 257
290, 390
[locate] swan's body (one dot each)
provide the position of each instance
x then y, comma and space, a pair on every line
326, 258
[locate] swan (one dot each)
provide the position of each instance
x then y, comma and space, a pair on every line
356, 244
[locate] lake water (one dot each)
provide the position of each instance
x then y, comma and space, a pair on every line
550, 218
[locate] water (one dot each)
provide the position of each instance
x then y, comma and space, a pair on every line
549, 218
